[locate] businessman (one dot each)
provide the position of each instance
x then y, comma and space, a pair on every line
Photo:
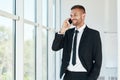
82, 50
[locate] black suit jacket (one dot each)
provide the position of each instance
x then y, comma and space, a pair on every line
90, 51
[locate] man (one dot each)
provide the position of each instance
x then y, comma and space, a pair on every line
82, 53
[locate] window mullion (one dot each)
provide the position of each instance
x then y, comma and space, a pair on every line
19, 39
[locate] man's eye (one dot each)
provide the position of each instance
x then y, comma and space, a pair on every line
75, 15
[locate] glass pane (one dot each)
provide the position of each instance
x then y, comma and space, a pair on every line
6, 49
29, 10
44, 12
44, 55
44, 40
6, 5
29, 52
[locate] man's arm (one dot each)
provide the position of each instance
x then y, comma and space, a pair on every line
58, 42
97, 58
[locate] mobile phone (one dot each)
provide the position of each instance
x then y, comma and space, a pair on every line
70, 21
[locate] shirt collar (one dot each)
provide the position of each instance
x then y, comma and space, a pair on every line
81, 28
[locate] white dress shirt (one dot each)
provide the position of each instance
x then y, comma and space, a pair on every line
78, 67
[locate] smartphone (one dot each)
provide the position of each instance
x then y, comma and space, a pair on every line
70, 21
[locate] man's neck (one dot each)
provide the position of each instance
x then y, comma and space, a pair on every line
79, 26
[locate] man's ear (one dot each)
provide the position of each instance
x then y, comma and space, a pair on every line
83, 16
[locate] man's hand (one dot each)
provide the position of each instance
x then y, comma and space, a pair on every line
65, 26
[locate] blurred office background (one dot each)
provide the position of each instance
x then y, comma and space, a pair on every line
27, 29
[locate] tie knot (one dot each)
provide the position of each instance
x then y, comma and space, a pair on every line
76, 31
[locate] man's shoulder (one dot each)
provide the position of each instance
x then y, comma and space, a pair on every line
91, 30
70, 30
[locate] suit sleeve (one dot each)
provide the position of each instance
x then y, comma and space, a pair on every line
58, 42
97, 58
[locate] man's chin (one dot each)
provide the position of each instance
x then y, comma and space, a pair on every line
74, 24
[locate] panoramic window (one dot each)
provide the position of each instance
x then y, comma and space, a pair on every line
29, 52
6, 49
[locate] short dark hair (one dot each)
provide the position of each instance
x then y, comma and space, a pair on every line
79, 7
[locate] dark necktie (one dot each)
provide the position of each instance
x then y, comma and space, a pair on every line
74, 48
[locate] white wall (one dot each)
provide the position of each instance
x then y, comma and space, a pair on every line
118, 29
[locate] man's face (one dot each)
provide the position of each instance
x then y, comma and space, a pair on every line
77, 16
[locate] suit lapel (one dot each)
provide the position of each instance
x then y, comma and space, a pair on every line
83, 36
70, 39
